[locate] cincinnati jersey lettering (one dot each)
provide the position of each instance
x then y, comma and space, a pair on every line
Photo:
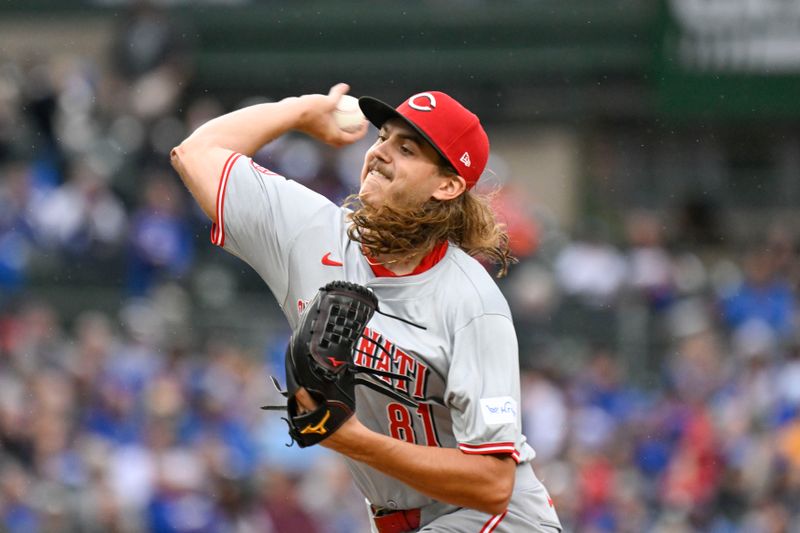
393, 359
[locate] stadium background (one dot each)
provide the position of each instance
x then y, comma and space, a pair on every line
648, 153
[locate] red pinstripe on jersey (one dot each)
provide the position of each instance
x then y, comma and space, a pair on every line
489, 526
218, 228
491, 447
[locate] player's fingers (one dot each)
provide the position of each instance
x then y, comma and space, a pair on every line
338, 90
348, 137
304, 400
343, 138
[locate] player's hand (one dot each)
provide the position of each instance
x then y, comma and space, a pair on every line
342, 439
305, 401
347, 437
317, 118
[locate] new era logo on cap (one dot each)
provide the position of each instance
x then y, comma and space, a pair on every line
454, 131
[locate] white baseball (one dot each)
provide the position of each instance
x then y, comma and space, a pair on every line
348, 115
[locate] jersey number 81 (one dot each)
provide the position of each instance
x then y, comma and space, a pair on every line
401, 423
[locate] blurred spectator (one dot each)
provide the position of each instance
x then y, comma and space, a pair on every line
650, 269
178, 502
36, 340
692, 474
764, 294
40, 95
149, 56
97, 506
590, 273
601, 384
81, 217
16, 235
595, 486
218, 423
514, 209
331, 498
283, 508
161, 245
18, 515
544, 414
11, 119
788, 380
94, 343
695, 370
591, 269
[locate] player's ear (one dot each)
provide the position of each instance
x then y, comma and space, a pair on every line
451, 186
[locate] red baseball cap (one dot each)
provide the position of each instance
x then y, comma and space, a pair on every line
453, 130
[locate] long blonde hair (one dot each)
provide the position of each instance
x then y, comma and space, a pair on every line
467, 221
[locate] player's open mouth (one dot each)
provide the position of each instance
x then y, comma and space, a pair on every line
379, 174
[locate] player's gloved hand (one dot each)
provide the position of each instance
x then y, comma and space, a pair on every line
317, 119
305, 402
319, 359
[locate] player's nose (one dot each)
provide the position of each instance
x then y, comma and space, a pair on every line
381, 152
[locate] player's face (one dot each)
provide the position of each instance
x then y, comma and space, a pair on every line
401, 168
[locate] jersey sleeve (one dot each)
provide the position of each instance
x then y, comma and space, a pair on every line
259, 215
483, 387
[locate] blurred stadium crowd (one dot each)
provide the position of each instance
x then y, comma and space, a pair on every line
661, 383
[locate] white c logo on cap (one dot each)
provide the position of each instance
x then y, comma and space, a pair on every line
429, 107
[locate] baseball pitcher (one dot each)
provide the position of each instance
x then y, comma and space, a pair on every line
404, 355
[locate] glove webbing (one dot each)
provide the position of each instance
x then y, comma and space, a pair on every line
349, 367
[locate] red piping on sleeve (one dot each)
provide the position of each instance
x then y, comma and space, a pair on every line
218, 228
491, 448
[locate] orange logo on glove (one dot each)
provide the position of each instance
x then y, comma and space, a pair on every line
319, 428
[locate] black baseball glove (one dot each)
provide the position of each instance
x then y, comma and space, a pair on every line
320, 359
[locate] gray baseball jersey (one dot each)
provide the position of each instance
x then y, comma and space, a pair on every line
463, 386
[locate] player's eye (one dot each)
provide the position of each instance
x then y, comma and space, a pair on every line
406, 150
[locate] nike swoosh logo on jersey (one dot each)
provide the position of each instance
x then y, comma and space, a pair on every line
327, 261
